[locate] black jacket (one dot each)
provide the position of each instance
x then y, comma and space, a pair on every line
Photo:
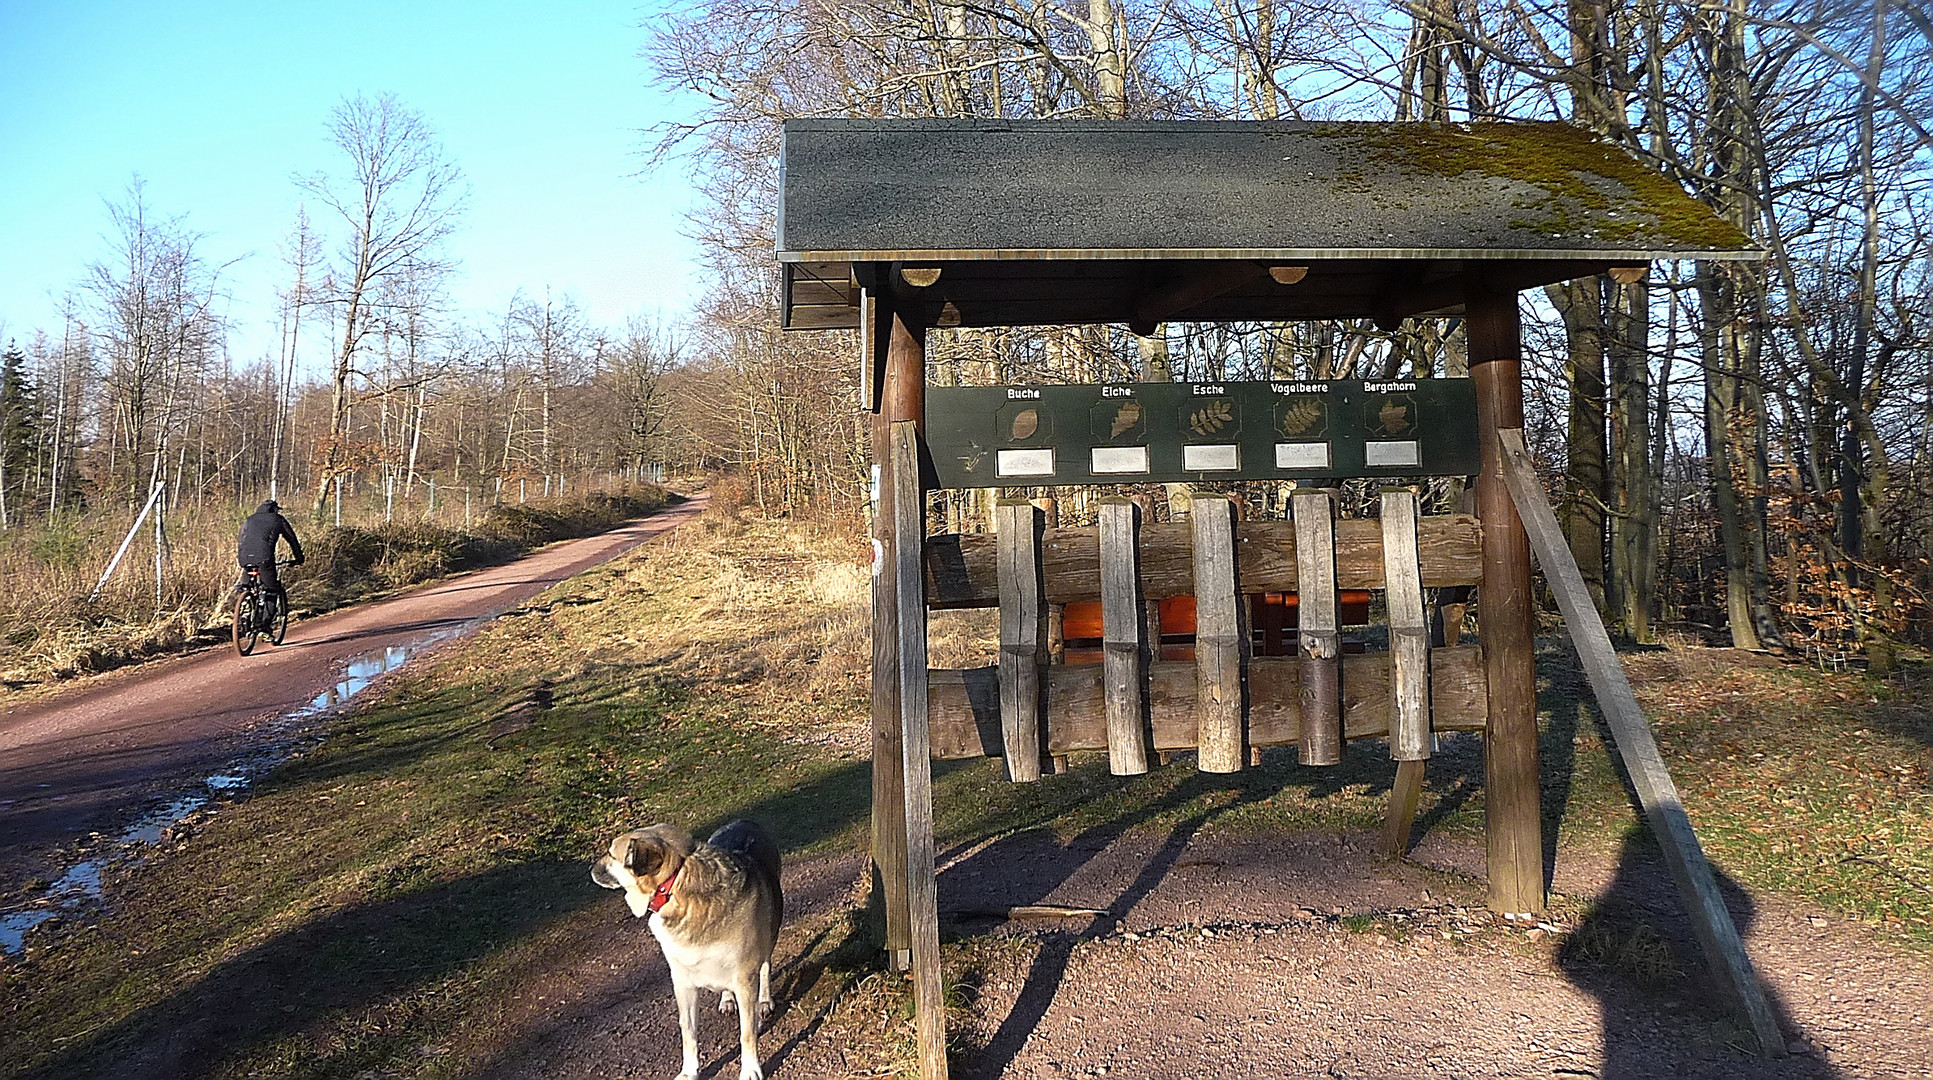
259, 533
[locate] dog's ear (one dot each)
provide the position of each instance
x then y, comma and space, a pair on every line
644, 857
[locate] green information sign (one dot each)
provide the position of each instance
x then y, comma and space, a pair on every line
1126, 433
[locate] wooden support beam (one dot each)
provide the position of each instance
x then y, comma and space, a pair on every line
1194, 286
961, 569
1319, 642
1121, 638
1513, 823
1218, 638
922, 886
902, 398
1023, 642
1683, 855
1409, 631
965, 705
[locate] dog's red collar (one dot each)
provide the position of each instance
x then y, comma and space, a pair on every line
663, 892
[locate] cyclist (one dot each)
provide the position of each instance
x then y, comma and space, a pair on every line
256, 546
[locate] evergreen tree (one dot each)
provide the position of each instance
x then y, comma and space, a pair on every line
19, 430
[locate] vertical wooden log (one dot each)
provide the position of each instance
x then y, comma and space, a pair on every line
1409, 631
1022, 637
1512, 823
1121, 638
922, 887
1218, 639
902, 398
1319, 642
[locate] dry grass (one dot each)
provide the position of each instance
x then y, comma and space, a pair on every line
54, 626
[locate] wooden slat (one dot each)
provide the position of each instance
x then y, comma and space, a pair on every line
1319, 642
1218, 638
1121, 639
824, 317
1409, 631
1022, 638
966, 704
962, 571
922, 886
1637, 749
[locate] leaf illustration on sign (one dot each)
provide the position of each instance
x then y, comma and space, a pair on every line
1126, 419
1026, 423
1211, 418
1302, 418
1394, 417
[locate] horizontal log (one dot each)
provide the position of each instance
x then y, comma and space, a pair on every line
965, 704
962, 570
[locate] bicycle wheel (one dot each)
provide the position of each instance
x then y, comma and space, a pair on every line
247, 626
278, 618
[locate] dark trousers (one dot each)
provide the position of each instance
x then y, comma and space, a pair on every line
270, 580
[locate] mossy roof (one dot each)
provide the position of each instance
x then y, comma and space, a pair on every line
882, 190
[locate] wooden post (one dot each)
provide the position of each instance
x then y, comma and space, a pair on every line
922, 887
1218, 639
1410, 740
1320, 637
1022, 637
1513, 827
1638, 750
1409, 631
903, 398
1121, 633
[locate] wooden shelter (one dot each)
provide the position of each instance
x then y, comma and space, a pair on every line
893, 227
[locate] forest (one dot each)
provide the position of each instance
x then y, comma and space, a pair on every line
1741, 451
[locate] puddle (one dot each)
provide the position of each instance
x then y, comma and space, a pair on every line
367, 668
81, 883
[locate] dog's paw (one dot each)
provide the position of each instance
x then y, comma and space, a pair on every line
751, 1070
727, 1003
765, 1010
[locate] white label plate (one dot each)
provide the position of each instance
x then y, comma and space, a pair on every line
1025, 462
1302, 455
1120, 459
1213, 457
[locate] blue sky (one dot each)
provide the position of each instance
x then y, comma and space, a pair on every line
216, 105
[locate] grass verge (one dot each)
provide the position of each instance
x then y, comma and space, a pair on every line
382, 905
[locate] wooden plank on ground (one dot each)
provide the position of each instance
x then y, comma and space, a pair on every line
1319, 643
1637, 749
1121, 634
965, 705
1022, 637
922, 886
1409, 631
1218, 638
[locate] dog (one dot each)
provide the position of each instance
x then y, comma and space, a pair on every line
715, 909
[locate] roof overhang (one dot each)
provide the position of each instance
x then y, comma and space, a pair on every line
1058, 222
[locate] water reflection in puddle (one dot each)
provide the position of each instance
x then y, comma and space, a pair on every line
82, 882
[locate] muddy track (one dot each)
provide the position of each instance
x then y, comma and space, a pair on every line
102, 756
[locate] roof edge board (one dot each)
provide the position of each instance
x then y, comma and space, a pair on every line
1271, 254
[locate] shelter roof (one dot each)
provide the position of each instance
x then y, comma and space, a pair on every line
1371, 209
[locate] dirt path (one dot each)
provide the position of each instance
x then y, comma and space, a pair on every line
1277, 956
94, 759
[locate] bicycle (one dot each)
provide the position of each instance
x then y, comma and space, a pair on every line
259, 612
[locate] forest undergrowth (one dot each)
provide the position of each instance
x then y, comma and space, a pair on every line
54, 625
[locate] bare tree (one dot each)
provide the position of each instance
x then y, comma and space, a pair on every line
401, 199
